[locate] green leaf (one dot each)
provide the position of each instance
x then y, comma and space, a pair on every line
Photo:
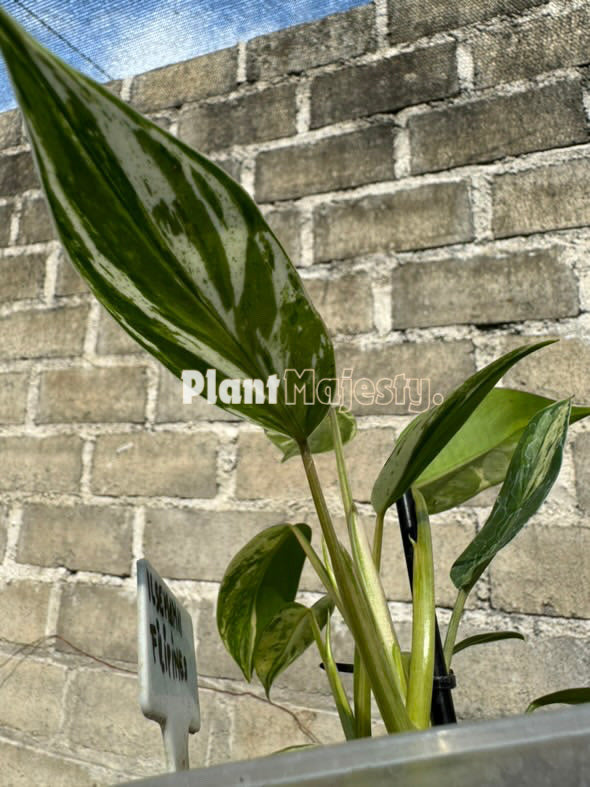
565, 696
533, 469
260, 580
428, 434
286, 637
478, 456
173, 247
482, 639
320, 440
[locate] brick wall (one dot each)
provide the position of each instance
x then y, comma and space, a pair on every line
428, 172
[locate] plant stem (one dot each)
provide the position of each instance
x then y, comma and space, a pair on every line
423, 622
358, 614
378, 539
454, 626
363, 560
342, 704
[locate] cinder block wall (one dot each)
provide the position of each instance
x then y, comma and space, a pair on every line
427, 169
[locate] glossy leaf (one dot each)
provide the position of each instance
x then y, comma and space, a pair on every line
564, 697
320, 439
482, 639
428, 434
533, 469
173, 247
286, 637
478, 456
260, 580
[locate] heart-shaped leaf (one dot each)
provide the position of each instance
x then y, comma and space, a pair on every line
320, 440
428, 434
533, 469
564, 697
478, 456
173, 247
286, 637
482, 639
260, 580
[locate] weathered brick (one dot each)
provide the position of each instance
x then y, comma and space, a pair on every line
400, 81
541, 199
104, 715
5, 218
207, 75
23, 611
172, 538
40, 464
43, 334
502, 678
22, 276
22, 767
163, 121
114, 340
416, 218
543, 572
213, 660
558, 370
171, 408
163, 463
513, 52
17, 174
83, 538
3, 529
114, 86
261, 475
32, 698
69, 281
334, 297
286, 225
548, 117
408, 20
306, 46
408, 374
98, 619
261, 728
582, 463
344, 161
254, 117
13, 397
232, 166
10, 129
34, 224
93, 395
484, 289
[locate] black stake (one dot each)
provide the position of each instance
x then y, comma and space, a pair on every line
442, 710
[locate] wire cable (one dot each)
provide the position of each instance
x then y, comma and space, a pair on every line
62, 38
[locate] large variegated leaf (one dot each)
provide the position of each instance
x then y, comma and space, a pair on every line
286, 637
172, 246
478, 456
260, 580
531, 474
430, 432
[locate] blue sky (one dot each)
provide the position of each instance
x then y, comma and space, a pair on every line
119, 38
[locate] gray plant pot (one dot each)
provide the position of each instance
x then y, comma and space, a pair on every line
536, 750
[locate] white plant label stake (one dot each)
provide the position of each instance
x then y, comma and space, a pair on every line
168, 691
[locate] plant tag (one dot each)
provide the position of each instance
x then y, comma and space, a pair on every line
167, 668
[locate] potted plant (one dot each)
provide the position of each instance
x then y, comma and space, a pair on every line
180, 255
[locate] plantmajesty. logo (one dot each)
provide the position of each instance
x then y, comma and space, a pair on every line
344, 392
